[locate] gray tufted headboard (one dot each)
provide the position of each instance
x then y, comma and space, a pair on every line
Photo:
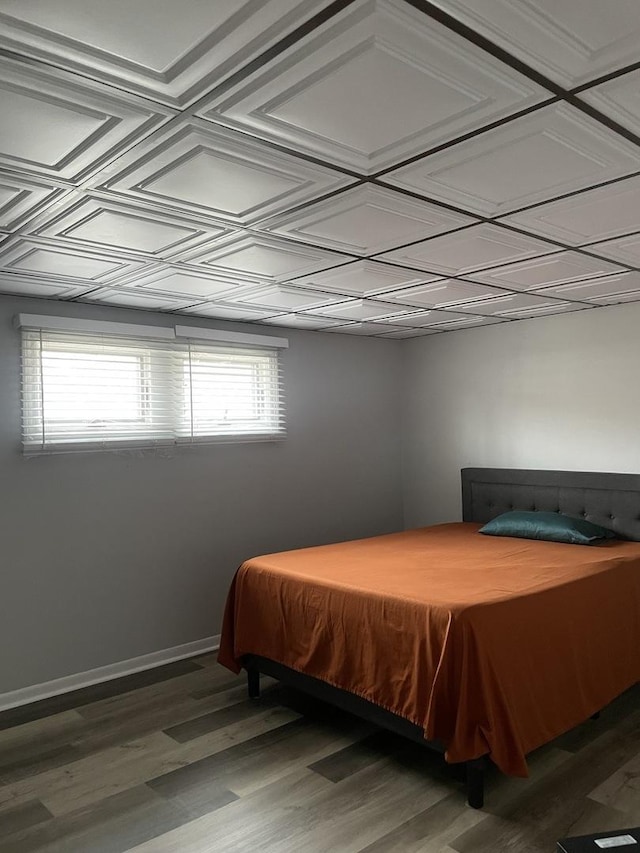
612, 500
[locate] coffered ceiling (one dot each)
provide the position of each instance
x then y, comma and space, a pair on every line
392, 168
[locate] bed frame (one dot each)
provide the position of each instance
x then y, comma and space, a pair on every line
612, 500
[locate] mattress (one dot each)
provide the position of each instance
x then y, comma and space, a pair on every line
491, 645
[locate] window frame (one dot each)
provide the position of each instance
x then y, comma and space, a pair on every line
173, 421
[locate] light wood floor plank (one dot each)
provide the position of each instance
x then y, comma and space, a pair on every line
111, 826
186, 764
345, 816
207, 833
87, 695
114, 770
556, 806
87, 737
18, 815
622, 789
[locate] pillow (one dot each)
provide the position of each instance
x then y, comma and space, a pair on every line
550, 526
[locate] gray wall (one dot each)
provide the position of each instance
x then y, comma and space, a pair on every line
109, 556
560, 392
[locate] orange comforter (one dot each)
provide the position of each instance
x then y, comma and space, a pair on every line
492, 645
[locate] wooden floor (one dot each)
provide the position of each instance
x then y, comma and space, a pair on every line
177, 760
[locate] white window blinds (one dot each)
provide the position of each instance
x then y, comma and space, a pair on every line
83, 390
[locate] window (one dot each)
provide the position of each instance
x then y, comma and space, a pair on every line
83, 389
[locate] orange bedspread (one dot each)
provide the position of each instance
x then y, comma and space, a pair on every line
492, 645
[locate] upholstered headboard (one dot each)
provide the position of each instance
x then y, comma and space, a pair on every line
612, 500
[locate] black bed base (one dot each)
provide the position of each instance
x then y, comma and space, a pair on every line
254, 665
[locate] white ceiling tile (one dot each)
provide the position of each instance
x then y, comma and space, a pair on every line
466, 321
367, 329
552, 151
222, 311
439, 293
403, 334
355, 309
366, 219
631, 296
283, 298
436, 319
23, 285
161, 49
623, 249
550, 269
61, 127
470, 249
362, 278
263, 257
134, 299
327, 93
302, 321
22, 198
412, 319
183, 282
205, 170
607, 290
619, 99
49, 260
100, 223
518, 306
189, 158
596, 214
570, 42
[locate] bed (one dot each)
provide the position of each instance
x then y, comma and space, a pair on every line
483, 648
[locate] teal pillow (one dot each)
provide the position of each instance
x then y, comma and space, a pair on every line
550, 526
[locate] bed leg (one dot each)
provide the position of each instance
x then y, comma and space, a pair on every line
475, 782
253, 682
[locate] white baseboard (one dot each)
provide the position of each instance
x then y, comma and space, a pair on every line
106, 673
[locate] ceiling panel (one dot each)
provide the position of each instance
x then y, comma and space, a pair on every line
597, 214
470, 249
570, 42
183, 282
55, 261
25, 285
623, 249
444, 320
519, 306
414, 319
224, 311
56, 125
619, 99
360, 310
552, 151
362, 278
103, 224
302, 321
201, 169
327, 94
371, 330
366, 220
405, 334
466, 321
263, 257
608, 290
135, 299
284, 298
550, 269
179, 51
404, 166
22, 198
439, 293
